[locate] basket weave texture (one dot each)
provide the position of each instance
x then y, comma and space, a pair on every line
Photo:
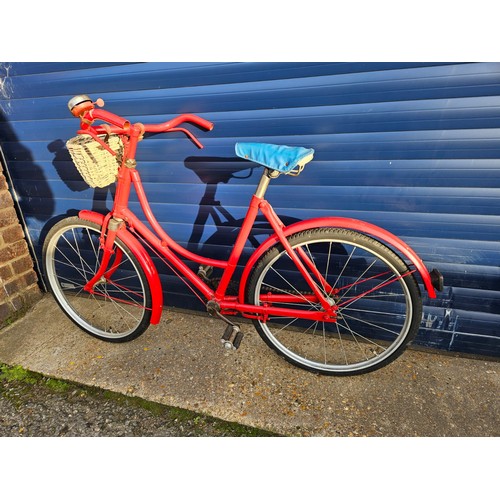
96, 165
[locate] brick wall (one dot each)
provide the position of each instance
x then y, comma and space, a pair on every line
18, 281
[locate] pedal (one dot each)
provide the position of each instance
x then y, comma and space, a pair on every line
232, 337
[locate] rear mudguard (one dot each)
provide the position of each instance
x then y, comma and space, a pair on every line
144, 259
340, 222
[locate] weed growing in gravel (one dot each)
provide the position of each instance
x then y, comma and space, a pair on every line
20, 374
57, 385
13, 373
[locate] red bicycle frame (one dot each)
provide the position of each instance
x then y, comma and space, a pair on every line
121, 219
121, 222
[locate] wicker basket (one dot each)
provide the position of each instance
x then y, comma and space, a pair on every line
96, 165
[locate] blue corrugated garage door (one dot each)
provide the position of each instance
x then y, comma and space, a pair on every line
412, 147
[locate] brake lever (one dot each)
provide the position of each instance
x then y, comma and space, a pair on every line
98, 139
189, 134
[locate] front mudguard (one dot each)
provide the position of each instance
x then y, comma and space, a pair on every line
144, 260
430, 282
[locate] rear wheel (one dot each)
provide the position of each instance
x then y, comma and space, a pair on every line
119, 307
379, 308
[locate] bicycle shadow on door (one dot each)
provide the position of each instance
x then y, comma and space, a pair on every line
213, 171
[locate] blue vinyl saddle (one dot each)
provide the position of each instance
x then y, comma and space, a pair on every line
284, 159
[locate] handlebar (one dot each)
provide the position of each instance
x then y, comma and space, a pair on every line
82, 107
172, 124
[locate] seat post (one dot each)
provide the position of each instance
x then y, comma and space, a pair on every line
264, 182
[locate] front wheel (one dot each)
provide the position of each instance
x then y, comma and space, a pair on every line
378, 303
118, 309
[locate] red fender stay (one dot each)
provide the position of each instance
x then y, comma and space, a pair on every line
144, 259
344, 223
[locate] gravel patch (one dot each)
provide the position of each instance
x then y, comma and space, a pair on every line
34, 405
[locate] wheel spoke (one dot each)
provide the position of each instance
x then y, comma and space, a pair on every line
297, 293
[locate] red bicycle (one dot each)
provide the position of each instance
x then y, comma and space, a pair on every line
331, 295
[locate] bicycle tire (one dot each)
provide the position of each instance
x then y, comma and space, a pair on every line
378, 299
119, 309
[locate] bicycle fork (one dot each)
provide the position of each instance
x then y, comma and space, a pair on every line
107, 239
